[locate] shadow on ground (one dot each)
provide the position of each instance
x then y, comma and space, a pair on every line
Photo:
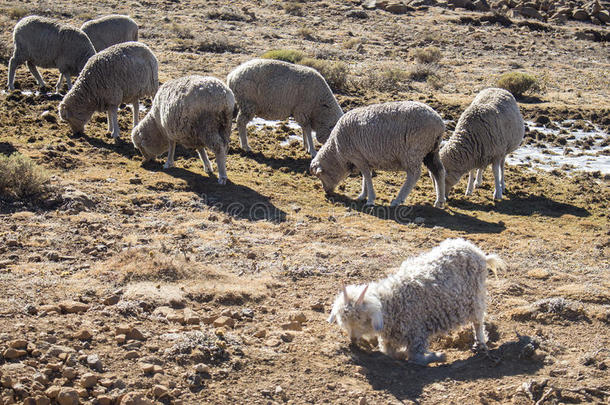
7, 148
234, 199
521, 203
432, 216
407, 381
287, 164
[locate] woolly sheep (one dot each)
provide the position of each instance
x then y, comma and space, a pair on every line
390, 136
123, 73
276, 90
430, 294
194, 111
488, 130
110, 30
40, 41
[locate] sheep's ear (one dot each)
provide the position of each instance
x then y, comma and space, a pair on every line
377, 321
361, 298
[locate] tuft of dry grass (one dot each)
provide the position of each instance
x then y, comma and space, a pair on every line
293, 8
181, 31
518, 83
17, 13
429, 54
286, 55
226, 14
306, 33
388, 78
335, 73
423, 71
21, 178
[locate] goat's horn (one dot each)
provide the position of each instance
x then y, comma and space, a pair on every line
361, 298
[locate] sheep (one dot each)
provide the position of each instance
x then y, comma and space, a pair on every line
390, 136
110, 30
122, 73
40, 41
430, 294
195, 111
488, 130
276, 90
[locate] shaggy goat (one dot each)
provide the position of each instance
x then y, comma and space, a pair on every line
40, 41
431, 294
390, 136
488, 130
110, 30
276, 90
194, 111
123, 73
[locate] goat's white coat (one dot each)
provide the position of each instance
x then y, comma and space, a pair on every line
431, 294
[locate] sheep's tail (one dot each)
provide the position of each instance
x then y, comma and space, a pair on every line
494, 263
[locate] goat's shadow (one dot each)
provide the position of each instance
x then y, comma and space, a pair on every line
7, 148
405, 214
522, 203
236, 200
290, 164
406, 380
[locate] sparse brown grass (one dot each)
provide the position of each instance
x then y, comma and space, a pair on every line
293, 8
422, 71
181, 31
336, 74
430, 54
226, 14
17, 12
389, 78
21, 178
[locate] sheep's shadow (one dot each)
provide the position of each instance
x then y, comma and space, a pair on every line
406, 380
236, 200
405, 214
7, 148
523, 204
120, 146
289, 164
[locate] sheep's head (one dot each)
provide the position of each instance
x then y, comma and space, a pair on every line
357, 312
76, 118
147, 138
329, 172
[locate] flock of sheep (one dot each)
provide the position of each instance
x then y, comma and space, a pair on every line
430, 294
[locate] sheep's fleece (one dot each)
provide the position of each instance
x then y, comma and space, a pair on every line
110, 30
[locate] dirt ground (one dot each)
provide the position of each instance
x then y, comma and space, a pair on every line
136, 280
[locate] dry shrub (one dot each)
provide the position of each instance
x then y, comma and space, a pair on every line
216, 43
17, 13
306, 33
286, 55
335, 73
518, 83
21, 178
429, 54
181, 31
389, 78
226, 14
143, 264
422, 71
293, 8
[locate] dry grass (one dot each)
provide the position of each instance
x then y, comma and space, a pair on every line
21, 178
518, 83
286, 55
335, 73
422, 71
181, 31
429, 54
389, 78
226, 14
293, 8
17, 12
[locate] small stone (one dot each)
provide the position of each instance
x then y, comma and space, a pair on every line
224, 321
88, 380
94, 362
296, 326
190, 317
112, 299
298, 317
83, 334
318, 307
273, 342
67, 396
48, 116
104, 400
132, 355
202, 368
42, 400
135, 334
362, 401
135, 398
540, 274
160, 391
73, 307
12, 354
135, 180
18, 344
69, 373
50, 309
287, 337
120, 339
147, 367
52, 392
261, 333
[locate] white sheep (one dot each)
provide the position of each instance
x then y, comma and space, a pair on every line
276, 90
110, 30
122, 73
431, 294
40, 41
488, 130
391, 136
195, 111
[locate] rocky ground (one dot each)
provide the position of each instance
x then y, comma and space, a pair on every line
137, 285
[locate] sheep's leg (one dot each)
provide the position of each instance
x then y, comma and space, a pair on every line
114, 120
471, 178
68, 81
109, 121
221, 162
437, 172
367, 180
308, 141
12, 67
479, 180
412, 177
36, 74
206, 161
59, 81
479, 336
363, 193
498, 180
170, 155
242, 122
136, 112
502, 172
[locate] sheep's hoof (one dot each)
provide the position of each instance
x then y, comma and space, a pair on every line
168, 165
246, 149
222, 180
361, 197
369, 204
479, 347
395, 203
208, 170
439, 204
468, 192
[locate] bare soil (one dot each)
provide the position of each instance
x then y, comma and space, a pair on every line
191, 292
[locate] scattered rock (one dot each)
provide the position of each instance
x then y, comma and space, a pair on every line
224, 321
160, 391
135, 398
83, 334
73, 307
67, 396
295, 326
94, 362
88, 380
11, 354
48, 116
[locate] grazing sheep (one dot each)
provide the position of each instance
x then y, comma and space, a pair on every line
276, 90
123, 73
488, 130
194, 111
431, 294
390, 136
40, 41
110, 30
